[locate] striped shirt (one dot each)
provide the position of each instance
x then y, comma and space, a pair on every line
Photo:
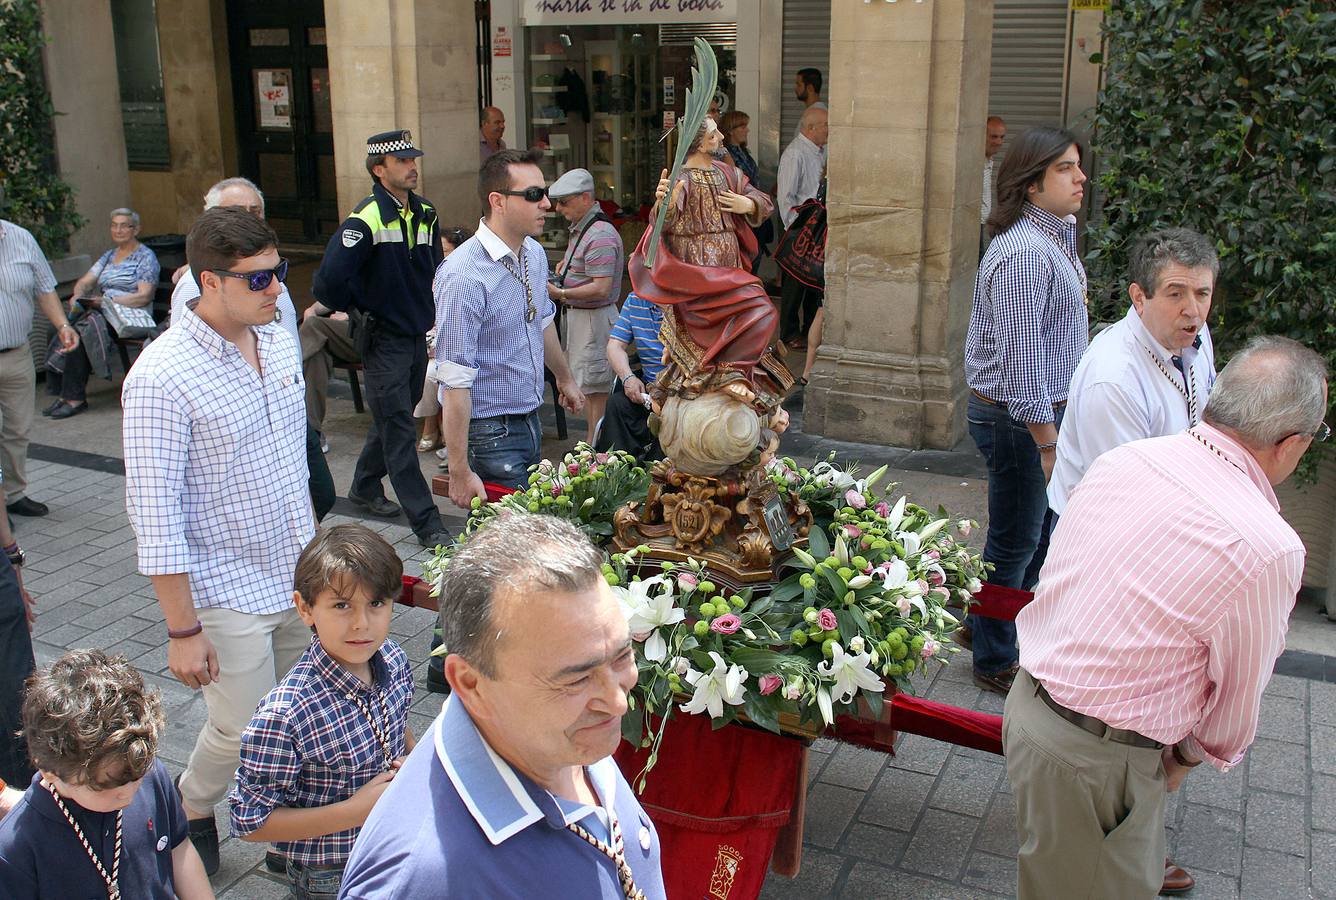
1028, 327
215, 465
601, 256
799, 180
483, 342
1166, 594
24, 274
310, 744
638, 325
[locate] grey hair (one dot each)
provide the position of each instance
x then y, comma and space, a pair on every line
214, 196
1271, 389
1152, 252
520, 555
128, 213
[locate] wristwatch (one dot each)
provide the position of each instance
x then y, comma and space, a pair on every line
16, 555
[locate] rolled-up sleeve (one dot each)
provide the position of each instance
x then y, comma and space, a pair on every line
1242, 650
270, 764
1019, 291
460, 304
156, 439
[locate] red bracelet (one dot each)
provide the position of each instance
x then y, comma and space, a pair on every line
186, 632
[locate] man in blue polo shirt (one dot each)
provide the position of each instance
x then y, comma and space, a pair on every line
512, 792
626, 418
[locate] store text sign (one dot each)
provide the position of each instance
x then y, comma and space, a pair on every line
629, 12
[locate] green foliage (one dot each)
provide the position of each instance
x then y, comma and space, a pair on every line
35, 197
1221, 116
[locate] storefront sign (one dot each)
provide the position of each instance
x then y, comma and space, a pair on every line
669, 119
1094, 5
501, 42
669, 91
627, 12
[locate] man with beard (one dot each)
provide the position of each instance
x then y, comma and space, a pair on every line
380, 263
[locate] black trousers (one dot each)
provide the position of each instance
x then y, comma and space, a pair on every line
626, 427
72, 384
16, 664
394, 367
797, 307
319, 481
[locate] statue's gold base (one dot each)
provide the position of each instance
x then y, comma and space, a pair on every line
720, 520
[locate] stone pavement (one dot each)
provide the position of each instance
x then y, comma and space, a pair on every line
931, 822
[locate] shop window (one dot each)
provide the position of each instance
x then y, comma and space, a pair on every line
139, 68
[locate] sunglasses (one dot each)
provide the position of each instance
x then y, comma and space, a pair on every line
259, 281
531, 194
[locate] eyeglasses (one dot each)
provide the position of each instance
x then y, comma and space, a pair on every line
259, 281
531, 194
1323, 432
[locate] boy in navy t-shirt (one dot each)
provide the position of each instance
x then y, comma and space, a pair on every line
101, 818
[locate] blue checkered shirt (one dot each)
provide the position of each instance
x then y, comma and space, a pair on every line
1028, 327
215, 465
482, 340
310, 745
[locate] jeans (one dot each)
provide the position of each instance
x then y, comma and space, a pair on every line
16, 664
314, 882
502, 448
1019, 522
394, 367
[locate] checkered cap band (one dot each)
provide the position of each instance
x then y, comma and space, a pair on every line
388, 147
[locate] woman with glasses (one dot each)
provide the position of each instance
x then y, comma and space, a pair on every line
734, 126
429, 407
113, 299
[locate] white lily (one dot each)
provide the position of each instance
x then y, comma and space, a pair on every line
860, 581
897, 513
910, 540
649, 606
849, 672
841, 549
804, 557
723, 684
871, 480
824, 704
897, 575
932, 529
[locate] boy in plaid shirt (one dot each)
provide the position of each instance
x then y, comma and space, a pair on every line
326, 741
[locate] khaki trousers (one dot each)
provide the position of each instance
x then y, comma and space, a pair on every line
18, 388
1089, 812
324, 341
254, 651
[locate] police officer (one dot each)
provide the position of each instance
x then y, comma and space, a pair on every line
379, 267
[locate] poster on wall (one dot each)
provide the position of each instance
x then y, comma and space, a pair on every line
273, 98
627, 12
501, 46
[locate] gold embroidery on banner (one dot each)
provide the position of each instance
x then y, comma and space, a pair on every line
727, 862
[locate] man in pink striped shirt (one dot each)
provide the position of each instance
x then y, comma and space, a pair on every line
1159, 614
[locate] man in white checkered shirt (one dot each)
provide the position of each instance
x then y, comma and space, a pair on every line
215, 474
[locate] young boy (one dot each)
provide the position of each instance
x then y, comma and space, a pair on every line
101, 818
326, 741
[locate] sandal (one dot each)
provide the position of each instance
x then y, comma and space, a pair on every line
428, 444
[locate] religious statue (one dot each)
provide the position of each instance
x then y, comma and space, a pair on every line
717, 402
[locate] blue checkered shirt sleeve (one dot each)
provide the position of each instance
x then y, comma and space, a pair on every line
1020, 290
156, 438
270, 764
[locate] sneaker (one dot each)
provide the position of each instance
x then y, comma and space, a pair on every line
324, 448
443, 454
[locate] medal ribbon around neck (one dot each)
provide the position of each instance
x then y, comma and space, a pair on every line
1071, 257
113, 879
522, 276
616, 853
1216, 450
1185, 389
381, 730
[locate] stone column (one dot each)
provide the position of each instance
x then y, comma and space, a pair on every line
907, 109
407, 64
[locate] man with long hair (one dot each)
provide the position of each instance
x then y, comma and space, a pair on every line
1028, 329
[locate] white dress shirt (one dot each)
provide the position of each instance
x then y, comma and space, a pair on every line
215, 464
800, 169
1118, 394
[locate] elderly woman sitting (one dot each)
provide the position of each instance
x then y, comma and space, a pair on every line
112, 299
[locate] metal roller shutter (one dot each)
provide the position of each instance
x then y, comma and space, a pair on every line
1028, 76
806, 43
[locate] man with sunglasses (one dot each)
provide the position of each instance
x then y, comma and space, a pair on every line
215, 486
1160, 611
379, 267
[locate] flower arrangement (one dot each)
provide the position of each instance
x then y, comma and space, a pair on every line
863, 607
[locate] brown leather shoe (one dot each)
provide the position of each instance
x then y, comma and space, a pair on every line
998, 682
1176, 879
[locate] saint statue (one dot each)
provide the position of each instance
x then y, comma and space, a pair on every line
702, 273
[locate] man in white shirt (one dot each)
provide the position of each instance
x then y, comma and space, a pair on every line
1149, 374
800, 169
997, 135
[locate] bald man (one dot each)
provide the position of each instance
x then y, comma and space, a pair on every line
490, 128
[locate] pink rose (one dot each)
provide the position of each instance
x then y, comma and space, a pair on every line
770, 684
932, 554
601, 458
852, 531
556, 490
903, 606
855, 499
882, 509
826, 619
923, 586
936, 578
686, 581
573, 468
929, 648
726, 624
